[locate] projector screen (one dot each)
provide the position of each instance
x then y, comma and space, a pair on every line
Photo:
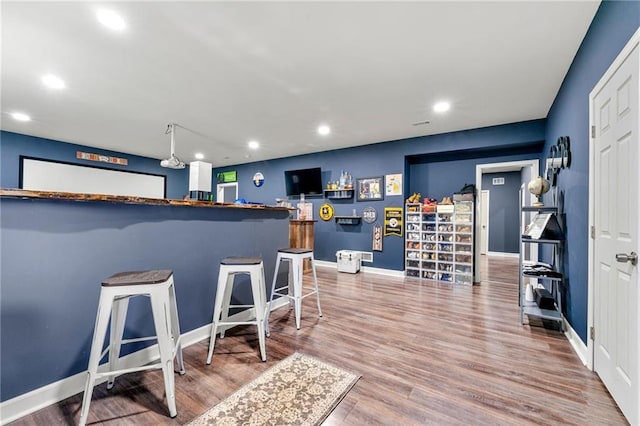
45, 175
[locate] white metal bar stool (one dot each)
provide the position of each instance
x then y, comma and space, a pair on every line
114, 301
294, 287
229, 268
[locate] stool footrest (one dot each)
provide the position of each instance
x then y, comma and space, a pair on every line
241, 306
129, 370
238, 322
311, 291
138, 339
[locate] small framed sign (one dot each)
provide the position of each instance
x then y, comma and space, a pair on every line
370, 188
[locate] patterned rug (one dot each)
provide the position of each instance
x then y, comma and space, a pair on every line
299, 390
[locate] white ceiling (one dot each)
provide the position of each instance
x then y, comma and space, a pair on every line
273, 71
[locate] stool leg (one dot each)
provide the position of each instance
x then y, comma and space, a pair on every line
257, 287
226, 301
315, 280
291, 283
222, 280
159, 304
118, 317
99, 333
175, 328
273, 288
296, 268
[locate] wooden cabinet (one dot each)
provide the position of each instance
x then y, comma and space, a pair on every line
301, 236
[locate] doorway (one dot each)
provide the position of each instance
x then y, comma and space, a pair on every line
529, 169
227, 192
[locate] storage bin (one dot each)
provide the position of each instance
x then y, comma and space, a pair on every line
349, 261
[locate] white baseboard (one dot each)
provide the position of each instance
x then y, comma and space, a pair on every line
325, 264
577, 344
381, 271
368, 269
52, 393
502, 254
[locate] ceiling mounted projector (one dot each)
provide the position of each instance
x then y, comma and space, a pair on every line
172, 162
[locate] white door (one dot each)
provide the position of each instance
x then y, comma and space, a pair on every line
615, 117
484, 222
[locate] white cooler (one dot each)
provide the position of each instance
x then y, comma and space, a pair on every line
349, 261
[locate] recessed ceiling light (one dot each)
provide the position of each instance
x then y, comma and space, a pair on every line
20, 116
110, 19
254, 144
199, 156
442, 107
324, 130
53, 82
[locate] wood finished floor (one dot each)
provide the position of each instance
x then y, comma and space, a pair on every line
429, 354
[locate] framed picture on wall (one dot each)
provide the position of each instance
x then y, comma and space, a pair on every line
370, 188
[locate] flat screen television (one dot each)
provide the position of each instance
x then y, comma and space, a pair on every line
303, 181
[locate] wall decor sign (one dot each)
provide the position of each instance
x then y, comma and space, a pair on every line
497, 181
559, 158
102, 158
393, 184
258, 179
393, 221
326, 212
369, 214
370, 188
376, 244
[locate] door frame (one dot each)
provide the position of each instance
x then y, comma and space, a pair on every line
507, 166
484, 242
617, 62
220, 189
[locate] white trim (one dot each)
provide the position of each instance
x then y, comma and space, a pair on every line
325, 264
503, 254
484, 243
380, 271
509, 166
576, 342
622, 56
368, 269
55, 392
220, 191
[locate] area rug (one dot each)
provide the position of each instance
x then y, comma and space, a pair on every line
299, 390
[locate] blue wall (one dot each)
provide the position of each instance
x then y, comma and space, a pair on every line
13, 145
614, 24
437, 165
504, 211
56, 253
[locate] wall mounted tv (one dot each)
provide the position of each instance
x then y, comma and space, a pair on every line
303, 181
